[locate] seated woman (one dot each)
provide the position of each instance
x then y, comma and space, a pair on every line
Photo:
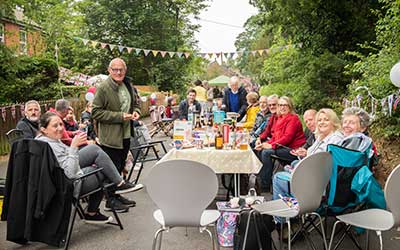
327, 132
75, 162
287, 135
69, 121
251, 112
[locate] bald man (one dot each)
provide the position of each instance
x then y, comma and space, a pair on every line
309, 120
235, 98
115, 107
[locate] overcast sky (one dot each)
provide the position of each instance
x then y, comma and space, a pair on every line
213, 37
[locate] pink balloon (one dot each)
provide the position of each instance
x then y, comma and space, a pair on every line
92, 90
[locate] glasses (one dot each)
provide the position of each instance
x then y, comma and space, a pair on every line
283, 105
272, 105
117, 70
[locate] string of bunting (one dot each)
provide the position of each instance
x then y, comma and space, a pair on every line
171, 54
388, 104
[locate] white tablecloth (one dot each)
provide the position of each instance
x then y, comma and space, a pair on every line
221, 161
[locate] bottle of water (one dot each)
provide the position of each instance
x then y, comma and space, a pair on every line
191, 114
214, 107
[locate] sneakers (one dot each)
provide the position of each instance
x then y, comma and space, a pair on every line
125, 201
127, 187
116, 205
98, 218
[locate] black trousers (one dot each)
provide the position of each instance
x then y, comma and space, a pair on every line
118, 156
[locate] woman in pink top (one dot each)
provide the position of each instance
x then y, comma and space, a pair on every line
287, 135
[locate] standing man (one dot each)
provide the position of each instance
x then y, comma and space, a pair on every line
30, 123
235, 98
115, 107
189, 102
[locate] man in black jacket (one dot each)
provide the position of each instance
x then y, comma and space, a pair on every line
30, 123
235, 98
190, 102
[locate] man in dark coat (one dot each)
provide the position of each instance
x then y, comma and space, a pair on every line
30, 123
235, 98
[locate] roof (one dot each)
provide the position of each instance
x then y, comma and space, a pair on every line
20, 19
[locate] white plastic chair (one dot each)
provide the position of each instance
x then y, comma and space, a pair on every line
308, 184
182, 190
377, 219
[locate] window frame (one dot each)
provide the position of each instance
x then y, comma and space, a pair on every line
2, 33
23, 43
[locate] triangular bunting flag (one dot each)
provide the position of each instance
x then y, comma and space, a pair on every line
231, 54
179, 54
154, 52
121, 48
254, 52
226, 55
171, 54
300, 45
239, 53
266, 51
137, 51
129, 49
218, 54
94, 44
203, 55
103, 45
163, 53
260, 52
210, 55
76, 38
85, 41
187, 54
112, 46
146, 52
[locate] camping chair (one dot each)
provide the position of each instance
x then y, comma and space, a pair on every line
31, 151
308, 184
343, 196
182, 190
140, 149
377, 219
14, 135
160, 122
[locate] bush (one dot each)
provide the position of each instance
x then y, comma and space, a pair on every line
23, 78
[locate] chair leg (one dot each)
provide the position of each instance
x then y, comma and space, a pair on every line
71, 226
289, 235
333, 234
322, 229
211, 237
155, 238
379, 233
160, 240
367, 240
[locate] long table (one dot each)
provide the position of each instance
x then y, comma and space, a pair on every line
221, 161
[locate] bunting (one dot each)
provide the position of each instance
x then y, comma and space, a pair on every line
179, 54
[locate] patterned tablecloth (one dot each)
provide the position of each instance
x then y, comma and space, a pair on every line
221, 161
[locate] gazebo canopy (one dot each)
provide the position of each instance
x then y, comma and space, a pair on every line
221, 80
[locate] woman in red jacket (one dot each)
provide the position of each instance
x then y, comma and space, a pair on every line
286, 134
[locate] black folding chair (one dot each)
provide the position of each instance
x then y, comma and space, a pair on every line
77, 206
14, 135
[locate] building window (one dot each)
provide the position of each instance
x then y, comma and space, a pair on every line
1, 32
23, 42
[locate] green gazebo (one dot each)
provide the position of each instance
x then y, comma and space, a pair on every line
219, 81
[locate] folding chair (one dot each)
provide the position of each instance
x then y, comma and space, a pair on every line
160, 122
140, 151
341, 197
377, 219
77, 206
14, 135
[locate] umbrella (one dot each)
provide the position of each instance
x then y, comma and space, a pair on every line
221, 80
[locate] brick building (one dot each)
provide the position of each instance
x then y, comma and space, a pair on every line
20, 34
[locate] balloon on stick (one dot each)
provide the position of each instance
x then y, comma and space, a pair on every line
395, 75
89, 96
92, 90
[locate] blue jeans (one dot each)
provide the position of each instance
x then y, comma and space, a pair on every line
268, 166
280, 185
